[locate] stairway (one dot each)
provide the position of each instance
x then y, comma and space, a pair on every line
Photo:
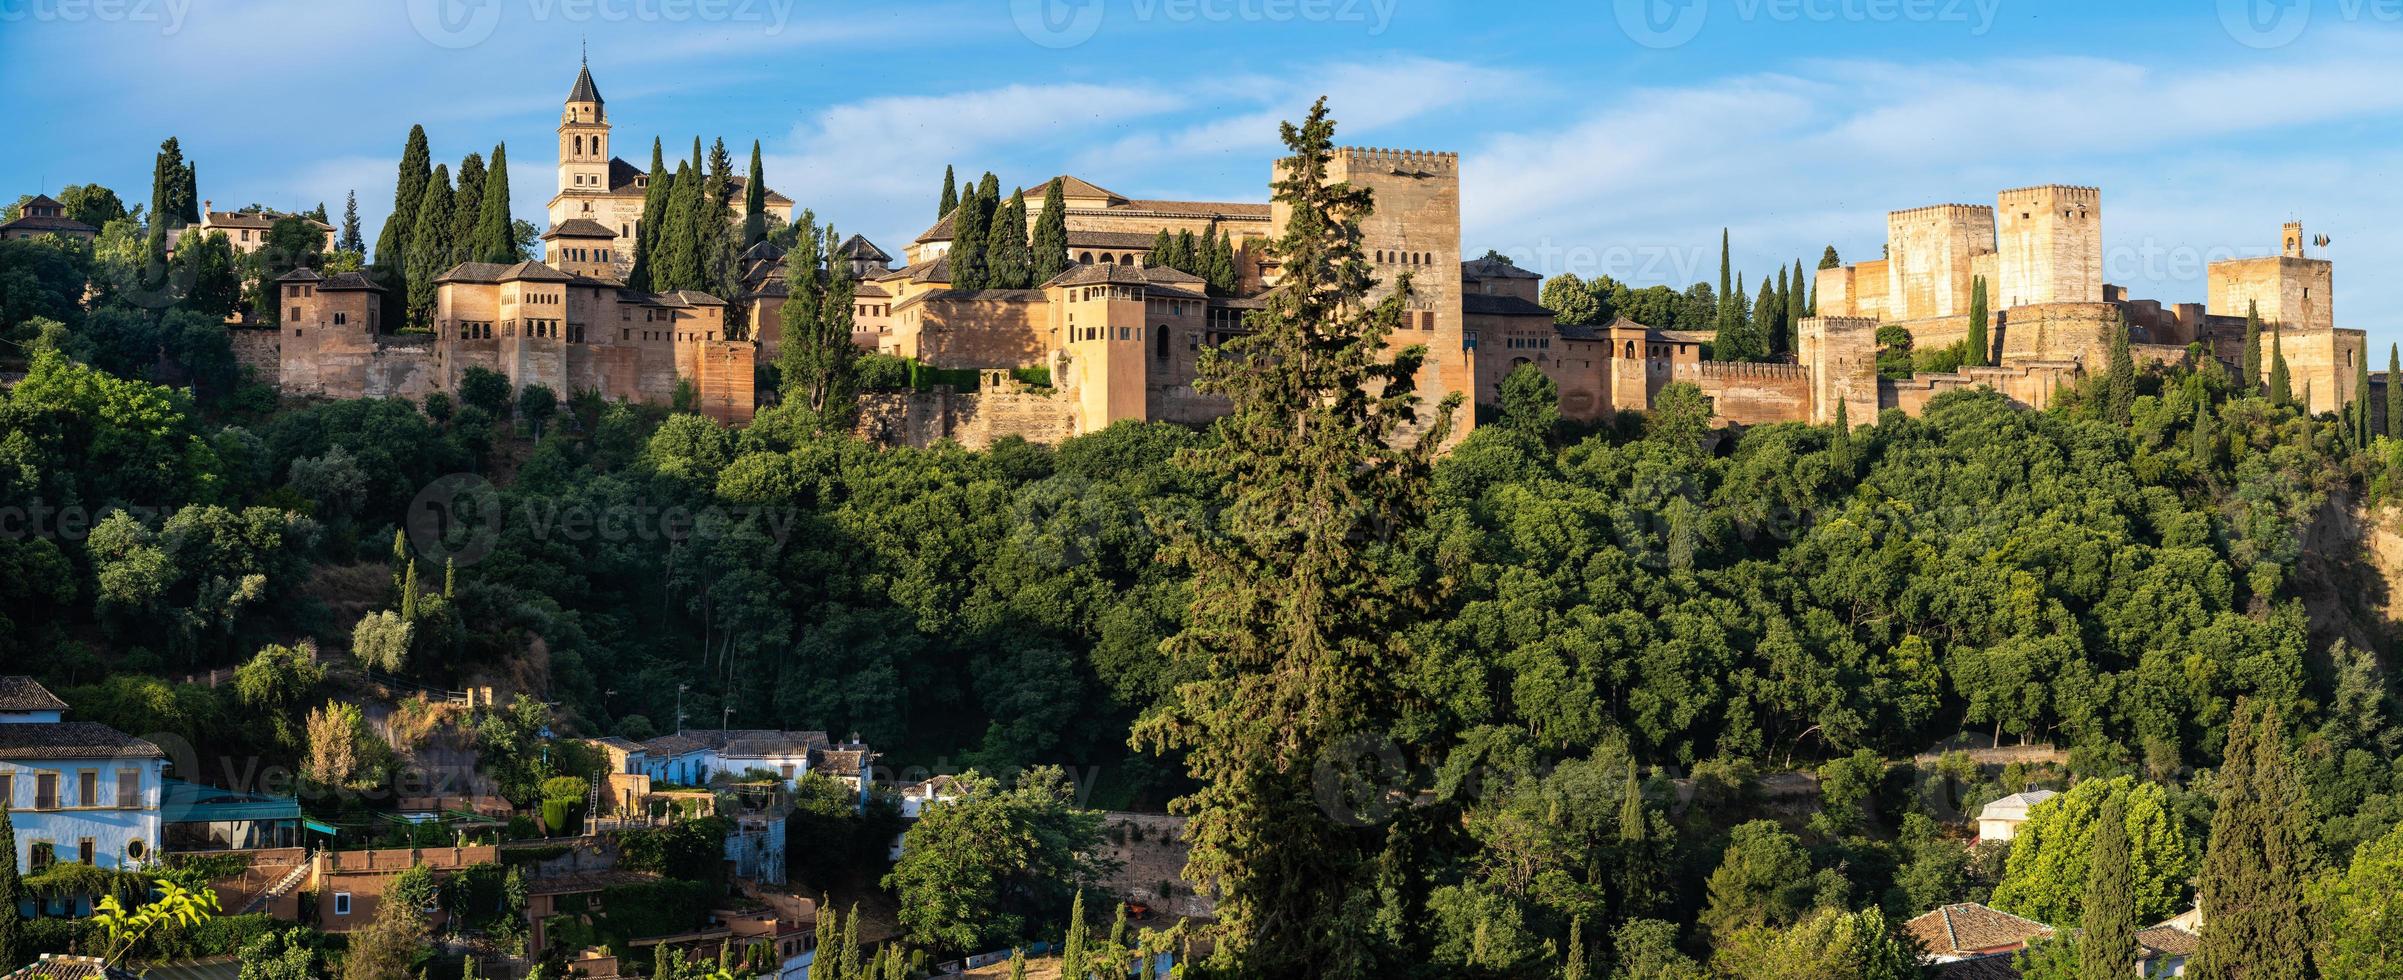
282, 886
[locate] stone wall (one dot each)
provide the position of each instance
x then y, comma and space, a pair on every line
2031, 384
1752, 394
2058, 332
2051, 240
259, 350
972, 419
1841, 356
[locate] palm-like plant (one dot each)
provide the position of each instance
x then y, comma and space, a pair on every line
175, 906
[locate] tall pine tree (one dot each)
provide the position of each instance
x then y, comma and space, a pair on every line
2281, 383
351, 241
12, 890
1009, 260
951, 193
467, 202
675, 263
1979, 345
2260, 861
755, 202
2248, 365
1051, 234
408, 188
1296, 633
2361, 402
429, 244
967, 252
2107, 945
496, 232
657, 190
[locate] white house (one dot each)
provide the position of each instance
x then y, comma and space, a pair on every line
76, 790
2000, 819
694, 756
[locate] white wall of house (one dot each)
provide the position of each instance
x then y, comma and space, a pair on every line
111, 822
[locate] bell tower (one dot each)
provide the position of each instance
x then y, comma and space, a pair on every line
584, 139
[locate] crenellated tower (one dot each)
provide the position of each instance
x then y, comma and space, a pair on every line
2051, 240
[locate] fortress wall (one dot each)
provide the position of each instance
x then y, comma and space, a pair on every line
1929, 258
260, 350
973, 419
2058, 332
1752, 394
2030, 384
981, 333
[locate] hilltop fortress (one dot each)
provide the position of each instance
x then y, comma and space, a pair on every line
1117, 336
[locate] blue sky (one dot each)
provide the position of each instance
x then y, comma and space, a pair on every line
1609, 136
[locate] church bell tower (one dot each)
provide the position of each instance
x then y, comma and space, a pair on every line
584, 139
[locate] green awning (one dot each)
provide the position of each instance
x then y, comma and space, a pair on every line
326, 829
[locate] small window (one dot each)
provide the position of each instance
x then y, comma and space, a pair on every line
341, 903
296, 313
87, 788
129, 789
41, 857
85, 851
45, 791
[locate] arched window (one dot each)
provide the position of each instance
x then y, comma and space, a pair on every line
1108, 259
1085, 257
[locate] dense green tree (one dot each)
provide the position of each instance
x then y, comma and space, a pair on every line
349, 240
1319, 488
1530, 402
2361, 907
91, 204
2260, 860
2107, 942
951, 194
2119, 379
657, 189
1978, 345
210, 273
1763, 880
2046, 877
174, 190
1568, 299
2281, 388
1051, 234
968, 252
755, 201
1831, 945
2249, 369
496, 239
408, 189
1009, 260
1221, 274
985, 868
429, 244
675, 263
467, 202
1828, 259
12, 890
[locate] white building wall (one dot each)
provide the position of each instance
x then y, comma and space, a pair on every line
111, 826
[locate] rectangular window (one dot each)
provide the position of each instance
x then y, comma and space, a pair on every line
129, 789
42, 856
341, 903
87, 788
8, 790
83, 851
45, 791
296, 313
341, 318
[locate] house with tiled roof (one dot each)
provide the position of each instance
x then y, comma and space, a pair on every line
2001, 819
1971, 931
247, 231
66, 966
40, 215
78, 791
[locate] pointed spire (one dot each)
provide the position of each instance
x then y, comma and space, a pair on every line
585, 90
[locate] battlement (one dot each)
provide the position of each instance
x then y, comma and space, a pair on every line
1966, 211
1416, 161
1744, 369
2063, 193
1841, 324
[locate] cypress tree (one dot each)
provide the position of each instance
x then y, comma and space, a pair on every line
467, 203
2248, 367
1163, 250
1764, 320
12, 922
968, 244
429, 247
2120, 389
1222, 275
1293, 641
350, 240
2361, 402
755, 202
1009, 260
1979, 345
1798, 305
1773, 319
2107, 946
1637, 882
1195, 255
1727, 298
2260, 859
821, 966
408, 609
496, 235
848, 963
988, 199
1072, 949
834, 396
1574, 967
1018, 964
2394, 393
2281, 385
951, 193
656, 192
1051, 235
2202, 442
676, 264
714, 233
417, 163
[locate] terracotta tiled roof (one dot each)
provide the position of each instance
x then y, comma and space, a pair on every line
1200, 209
42, 201
348, 280
493, 272
579, 228
72, 740
254, 219
21, 693
858, 247
48, 223
1072, 187
1100, 273
1978, 968
1956, 930
2168, 940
